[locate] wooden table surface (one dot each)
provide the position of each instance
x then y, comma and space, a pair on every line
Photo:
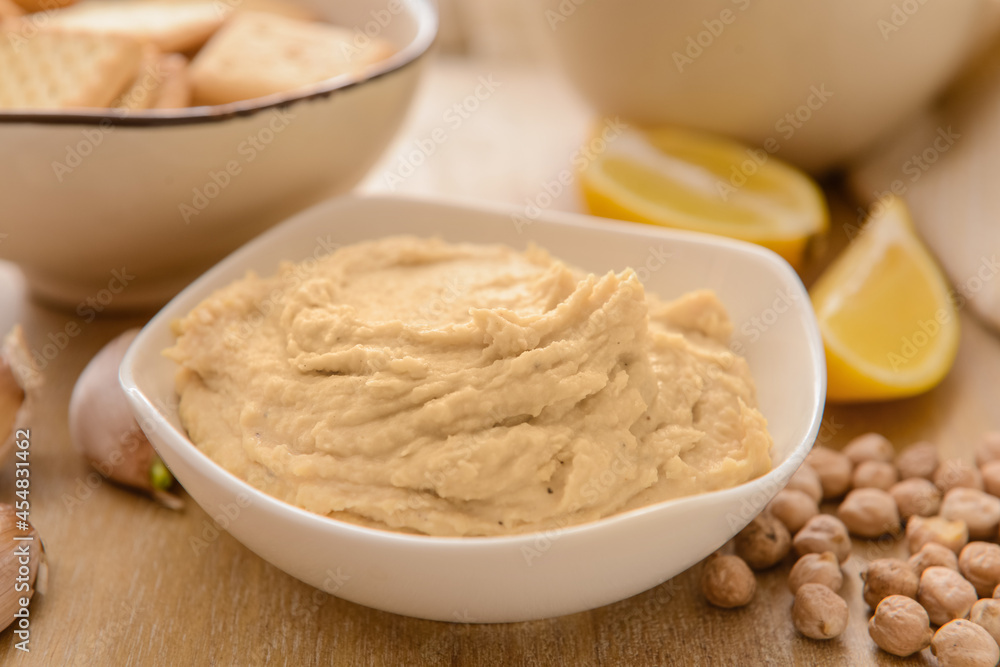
127, 588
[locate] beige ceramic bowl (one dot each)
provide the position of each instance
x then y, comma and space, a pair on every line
108, 212
820, 79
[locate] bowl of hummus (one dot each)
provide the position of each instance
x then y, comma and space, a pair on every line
464, 416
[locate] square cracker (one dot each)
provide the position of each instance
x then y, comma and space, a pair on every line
61, 70
172, 25
258, 54
161, 83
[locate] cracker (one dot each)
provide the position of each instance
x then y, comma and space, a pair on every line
257, 54
175, 89
60, 70
172, 25
9, 10
43, 5
161, 83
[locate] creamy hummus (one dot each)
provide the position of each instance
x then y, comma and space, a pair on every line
422, 386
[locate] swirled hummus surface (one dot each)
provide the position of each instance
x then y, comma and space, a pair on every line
422, 386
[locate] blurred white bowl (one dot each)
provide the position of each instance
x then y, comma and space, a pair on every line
822, 79
124, 211
527, 576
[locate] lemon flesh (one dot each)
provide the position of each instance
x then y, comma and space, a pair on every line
889, 324
693, 180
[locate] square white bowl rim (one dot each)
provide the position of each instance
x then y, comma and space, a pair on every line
151, 416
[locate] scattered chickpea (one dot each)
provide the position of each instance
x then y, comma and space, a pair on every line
900, 626
916, 496
818, 612
921, 530
764, 542
874, 474
979, 563
986, 614
889, 576
989, 449
962, 643
793, 508
821, 568
979, 510
834, 470
991, 477
955, 473
727, 581
933, 554
823, 533
918, 460
945, 594
869, 513
869, 447
807, 481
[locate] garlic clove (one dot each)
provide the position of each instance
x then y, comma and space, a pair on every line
104, 430
19, 380
18, 579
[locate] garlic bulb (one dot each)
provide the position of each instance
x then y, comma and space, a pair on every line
105, 432
22, 566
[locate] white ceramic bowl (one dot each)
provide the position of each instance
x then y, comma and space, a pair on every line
92, 200
822, 79
534, 575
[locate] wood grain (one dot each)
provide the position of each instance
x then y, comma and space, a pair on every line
127, 588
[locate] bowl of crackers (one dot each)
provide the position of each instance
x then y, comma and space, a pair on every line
143, 140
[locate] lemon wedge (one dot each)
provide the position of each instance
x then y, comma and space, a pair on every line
694, 180
889, 324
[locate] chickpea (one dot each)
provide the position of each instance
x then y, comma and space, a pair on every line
818, 612
962, 643
979, 563
945, 594
874, 474
986, 614
918, 460
764, 542
727, 581
991, 477
834, 470
869, 447
793, 508
979, 510
823, 533
921, 530
821, 568
807, 481
900, 626
889, 576
988, 449
932, 554
916, 496
957, 473
869, 513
